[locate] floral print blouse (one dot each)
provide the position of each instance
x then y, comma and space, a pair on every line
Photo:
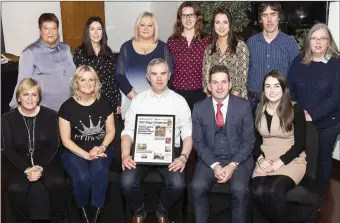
104, 66
237, 65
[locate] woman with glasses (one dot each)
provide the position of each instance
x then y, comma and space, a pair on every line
314, 81
135, 55
187, 44
228, 50
48, 61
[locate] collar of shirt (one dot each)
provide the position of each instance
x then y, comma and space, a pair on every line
224, 108
158, 96
277, 37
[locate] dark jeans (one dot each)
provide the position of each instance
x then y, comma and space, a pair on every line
192, 96
173, 191
269, 196
88, 175
204, 180
254, 98
327, 139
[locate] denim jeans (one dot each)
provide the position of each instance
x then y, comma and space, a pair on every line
88, 175
173, 191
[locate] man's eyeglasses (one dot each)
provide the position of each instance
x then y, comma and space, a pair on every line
191, 16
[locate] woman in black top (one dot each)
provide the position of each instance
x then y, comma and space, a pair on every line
87, 129
32, 170
95, 52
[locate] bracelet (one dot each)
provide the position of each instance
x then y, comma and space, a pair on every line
26, 171
260, 160
103, 146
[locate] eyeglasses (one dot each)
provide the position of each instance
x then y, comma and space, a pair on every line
191, 16
322, 39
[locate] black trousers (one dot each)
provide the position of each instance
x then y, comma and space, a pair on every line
269, 196
204, 180
43, 199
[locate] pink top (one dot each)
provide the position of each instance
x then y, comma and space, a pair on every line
188, 62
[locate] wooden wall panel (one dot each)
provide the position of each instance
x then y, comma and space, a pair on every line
74, 16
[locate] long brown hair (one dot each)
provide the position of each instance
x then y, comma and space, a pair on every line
285, 109
199, 28
231, 39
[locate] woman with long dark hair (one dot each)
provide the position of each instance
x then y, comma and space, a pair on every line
187, 44
95, 52
280, 130
229, 50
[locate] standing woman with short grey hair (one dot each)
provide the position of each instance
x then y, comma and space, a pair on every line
48, 61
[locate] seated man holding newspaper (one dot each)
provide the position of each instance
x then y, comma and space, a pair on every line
154, 123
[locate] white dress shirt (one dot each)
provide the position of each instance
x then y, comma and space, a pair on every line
168, 103
224, 110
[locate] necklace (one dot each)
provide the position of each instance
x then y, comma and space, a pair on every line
31, 141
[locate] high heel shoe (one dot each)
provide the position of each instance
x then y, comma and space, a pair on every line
84, 216
95, 214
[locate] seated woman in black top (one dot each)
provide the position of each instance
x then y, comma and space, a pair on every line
32, 170
280, 130
87, 129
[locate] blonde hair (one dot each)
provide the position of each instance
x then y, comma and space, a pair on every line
332, 50
27, 84
77, 75
139, 19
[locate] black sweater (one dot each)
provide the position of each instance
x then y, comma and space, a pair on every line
15, 138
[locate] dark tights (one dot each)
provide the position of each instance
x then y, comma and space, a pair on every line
269, 196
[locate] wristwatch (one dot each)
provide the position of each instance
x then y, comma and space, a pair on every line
185, 156
26, 171
234, 164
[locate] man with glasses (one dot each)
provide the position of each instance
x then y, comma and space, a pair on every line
268, 50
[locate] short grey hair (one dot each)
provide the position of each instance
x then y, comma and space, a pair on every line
157, 61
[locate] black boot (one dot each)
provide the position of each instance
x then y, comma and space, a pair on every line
84, 216
95, 214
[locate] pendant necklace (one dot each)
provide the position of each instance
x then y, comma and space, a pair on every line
31, 141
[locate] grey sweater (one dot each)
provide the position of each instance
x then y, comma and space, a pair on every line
52, 67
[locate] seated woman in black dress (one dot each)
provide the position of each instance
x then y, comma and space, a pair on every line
32, 170
280, 130
87, 129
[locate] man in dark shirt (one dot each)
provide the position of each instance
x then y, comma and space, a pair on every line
269, 50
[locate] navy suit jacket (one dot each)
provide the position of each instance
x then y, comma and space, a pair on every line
240, 130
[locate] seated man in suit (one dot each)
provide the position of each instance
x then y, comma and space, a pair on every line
224, 145
157, 100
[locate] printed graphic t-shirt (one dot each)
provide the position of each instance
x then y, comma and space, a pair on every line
87, 122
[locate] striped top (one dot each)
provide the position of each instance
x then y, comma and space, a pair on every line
265, 57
